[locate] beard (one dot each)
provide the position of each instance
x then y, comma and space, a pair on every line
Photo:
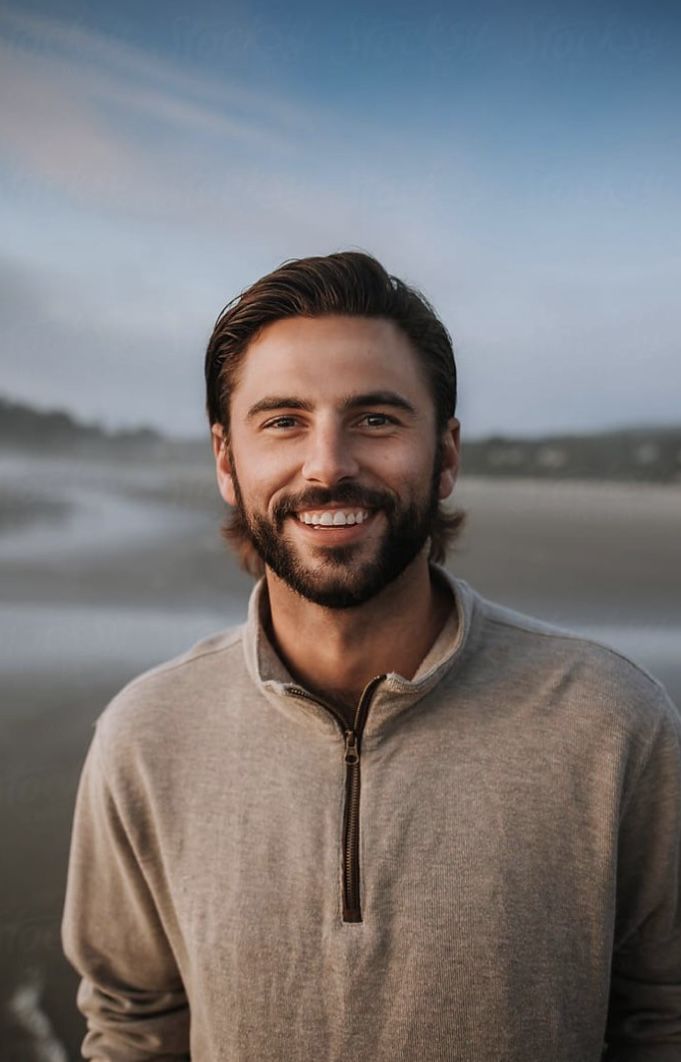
342, 580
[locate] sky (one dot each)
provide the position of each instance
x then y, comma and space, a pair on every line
520, 163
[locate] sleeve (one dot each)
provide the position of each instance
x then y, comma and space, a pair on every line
131, 992
644, 1020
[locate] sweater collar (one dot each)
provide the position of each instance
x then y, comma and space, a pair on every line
396, 693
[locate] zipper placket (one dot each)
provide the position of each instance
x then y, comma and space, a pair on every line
352, 911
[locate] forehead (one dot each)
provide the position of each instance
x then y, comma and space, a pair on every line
322, 357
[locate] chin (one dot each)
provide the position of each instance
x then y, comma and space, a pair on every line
339, 590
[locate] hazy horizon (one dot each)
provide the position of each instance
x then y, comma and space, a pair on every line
202, 434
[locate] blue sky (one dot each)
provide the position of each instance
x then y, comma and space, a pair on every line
521, 163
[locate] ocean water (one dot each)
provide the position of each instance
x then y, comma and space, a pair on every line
62, 637
59, 639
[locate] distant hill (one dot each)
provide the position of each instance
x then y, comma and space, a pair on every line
26, 428
630, 454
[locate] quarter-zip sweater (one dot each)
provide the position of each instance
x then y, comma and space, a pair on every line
484, 867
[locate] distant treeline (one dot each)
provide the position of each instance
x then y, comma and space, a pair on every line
24, 427
635, 454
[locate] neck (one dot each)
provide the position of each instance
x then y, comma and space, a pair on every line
336, 652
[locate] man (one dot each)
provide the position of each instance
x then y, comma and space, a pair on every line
385, 819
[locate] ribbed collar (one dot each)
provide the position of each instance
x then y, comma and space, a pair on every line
395, 694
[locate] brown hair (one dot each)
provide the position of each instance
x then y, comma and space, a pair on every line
349, 283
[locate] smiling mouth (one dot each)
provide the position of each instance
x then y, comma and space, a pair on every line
333, 517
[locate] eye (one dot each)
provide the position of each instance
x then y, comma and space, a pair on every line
377, 420
282, 422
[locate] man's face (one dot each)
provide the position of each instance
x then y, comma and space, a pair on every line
333, 457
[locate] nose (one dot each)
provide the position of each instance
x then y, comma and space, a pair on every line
329, 458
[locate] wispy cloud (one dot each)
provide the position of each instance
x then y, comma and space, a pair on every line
98, 116
99, 54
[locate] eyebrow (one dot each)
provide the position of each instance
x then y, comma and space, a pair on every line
378, 398
350, 402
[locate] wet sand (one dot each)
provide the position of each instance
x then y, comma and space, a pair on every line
575, 552
41, 754
578, 554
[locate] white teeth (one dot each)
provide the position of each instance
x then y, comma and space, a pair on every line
334, 517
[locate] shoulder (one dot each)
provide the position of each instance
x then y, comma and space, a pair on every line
562, 666
158, 705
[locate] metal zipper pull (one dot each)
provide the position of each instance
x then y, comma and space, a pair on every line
351, 750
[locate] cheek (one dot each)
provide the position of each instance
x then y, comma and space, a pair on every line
249, 463
410, 470
261, 481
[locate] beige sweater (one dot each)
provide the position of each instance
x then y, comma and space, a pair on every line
486, 870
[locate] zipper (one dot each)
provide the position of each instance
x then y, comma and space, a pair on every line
351, 905
352, 738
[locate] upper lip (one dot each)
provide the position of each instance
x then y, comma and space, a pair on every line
349, 507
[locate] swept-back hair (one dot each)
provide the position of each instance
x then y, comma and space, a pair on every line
352, 284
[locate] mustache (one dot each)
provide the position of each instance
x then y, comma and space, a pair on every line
351, 494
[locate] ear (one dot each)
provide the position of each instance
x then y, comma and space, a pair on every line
223, 468
450, 458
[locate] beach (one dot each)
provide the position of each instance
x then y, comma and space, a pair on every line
108, 568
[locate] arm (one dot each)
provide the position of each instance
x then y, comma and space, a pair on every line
131, 992
644, 1021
